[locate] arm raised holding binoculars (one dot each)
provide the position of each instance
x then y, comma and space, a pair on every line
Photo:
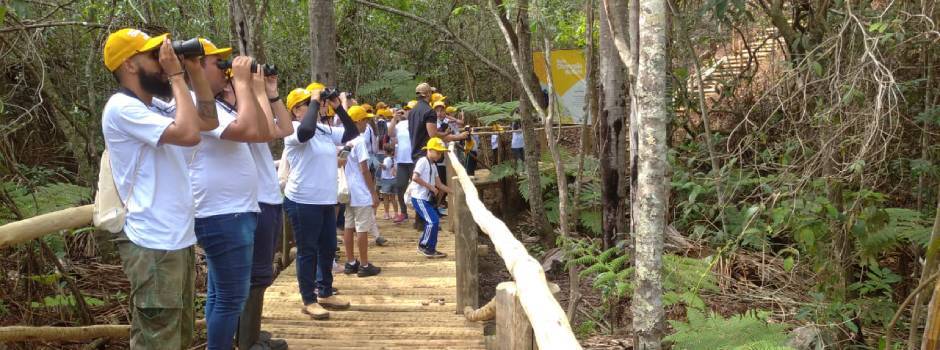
249, 125
205, 101
279, 124
184, 131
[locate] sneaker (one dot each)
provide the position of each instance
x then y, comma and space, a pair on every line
267, 342
387, 217
381, 241
369, 270
315, 311
333, 302
337, 268
431, 254
442, 211
399, 219
351, 268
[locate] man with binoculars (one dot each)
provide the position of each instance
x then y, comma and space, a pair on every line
149, 142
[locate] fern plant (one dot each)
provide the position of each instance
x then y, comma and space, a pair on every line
398, 84
747, 331
489, 112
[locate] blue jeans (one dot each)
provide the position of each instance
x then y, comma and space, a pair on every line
228, 241
432, 223
266, 238
315, 234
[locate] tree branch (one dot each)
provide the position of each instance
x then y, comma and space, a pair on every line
52, 24
443, 30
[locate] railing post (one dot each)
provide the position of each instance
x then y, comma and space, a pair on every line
466, 231
513, 330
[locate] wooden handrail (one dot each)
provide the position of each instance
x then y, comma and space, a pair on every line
47, 333
41, 225
549, 323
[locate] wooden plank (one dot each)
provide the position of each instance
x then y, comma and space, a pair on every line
41, 225
513, 330
468, 279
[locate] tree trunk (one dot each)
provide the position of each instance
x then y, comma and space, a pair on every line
649, 209
247, 20
930, 267
322, 42
532, 154
611, 135
932, 331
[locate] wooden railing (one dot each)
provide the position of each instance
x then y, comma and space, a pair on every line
526, 310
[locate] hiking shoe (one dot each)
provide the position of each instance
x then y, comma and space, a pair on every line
431, 254
267, 342
351, 268
381, 241
333, 302
369, 270
316, 311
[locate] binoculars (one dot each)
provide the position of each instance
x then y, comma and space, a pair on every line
268, 69
329, 94
188, 48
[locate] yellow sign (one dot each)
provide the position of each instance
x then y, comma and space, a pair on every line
568, 77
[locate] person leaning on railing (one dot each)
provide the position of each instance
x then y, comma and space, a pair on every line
149, 148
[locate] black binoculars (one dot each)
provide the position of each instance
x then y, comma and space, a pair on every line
188, 48
268, 69
329, 94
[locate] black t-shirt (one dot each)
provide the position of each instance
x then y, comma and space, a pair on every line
417, 119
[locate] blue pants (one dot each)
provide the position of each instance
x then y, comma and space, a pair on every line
315, 234
432, 223
228, 242
266, 238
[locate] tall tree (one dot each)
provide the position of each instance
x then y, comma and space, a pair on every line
322, 42
518, 38
649, 209
611, 136
247, 19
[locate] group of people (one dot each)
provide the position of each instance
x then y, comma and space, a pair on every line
188, 147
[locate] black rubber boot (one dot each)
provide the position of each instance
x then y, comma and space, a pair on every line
249, 323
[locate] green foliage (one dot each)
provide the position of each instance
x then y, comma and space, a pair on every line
583, 329
64, 300
490, 113
396, 85
748, 331
46, 198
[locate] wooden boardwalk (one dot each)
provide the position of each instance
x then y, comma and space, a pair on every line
387, 310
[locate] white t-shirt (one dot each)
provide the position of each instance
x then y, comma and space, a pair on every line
313, 165
387, 171
403, 146
160, 208
494, 142
517, 140
359, 194
269, 191
427, 172
223, 172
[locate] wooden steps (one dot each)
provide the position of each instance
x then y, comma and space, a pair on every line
387, 311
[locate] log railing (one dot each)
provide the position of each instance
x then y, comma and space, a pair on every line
527, 302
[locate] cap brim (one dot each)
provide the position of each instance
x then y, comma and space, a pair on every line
153, 43
224, 53
426, 148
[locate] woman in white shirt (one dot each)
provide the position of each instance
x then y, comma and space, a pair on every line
310, 192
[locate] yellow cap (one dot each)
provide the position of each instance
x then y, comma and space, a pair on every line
385, 112
411, 104
435, 143
438, 104
357, 113
297, 96
315, 86
367, 107
211, 49
450, 109
437, 97
381, 106
128, 42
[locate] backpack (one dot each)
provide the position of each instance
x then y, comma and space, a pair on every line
110, 212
